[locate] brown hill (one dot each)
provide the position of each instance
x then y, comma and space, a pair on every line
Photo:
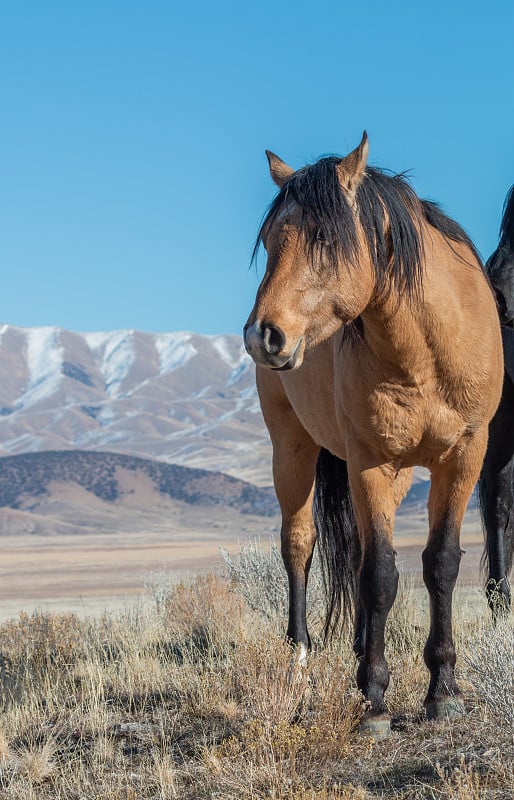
28, 481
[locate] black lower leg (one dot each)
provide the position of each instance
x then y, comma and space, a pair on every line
441, 560
378, 587
496, 494
497, 497
297, 631
497, 588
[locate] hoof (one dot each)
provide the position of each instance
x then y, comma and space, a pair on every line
378, 728
448, 708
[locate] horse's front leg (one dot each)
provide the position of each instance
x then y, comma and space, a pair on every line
402, 482
450, 490
294, 467
374, 506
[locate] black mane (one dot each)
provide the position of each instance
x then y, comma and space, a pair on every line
500, 264
507, 223
328, 221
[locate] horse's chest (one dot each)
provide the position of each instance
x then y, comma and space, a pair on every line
406, 426
317, 413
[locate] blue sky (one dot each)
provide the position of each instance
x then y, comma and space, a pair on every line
133, 134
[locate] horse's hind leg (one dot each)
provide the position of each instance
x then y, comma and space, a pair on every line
451, 487
496, 490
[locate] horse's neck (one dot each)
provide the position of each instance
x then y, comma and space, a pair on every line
394, 331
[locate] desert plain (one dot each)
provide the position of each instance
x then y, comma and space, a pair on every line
102, 569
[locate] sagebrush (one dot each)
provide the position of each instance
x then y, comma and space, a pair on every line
191, 694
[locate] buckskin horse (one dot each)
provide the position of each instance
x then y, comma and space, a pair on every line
378, 348
496, 484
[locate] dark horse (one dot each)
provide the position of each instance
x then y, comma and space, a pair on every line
378, 348
496, 485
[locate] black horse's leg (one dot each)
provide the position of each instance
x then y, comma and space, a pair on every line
402, 482
378, 588
451, 487
496, 491
374, 508
441, 559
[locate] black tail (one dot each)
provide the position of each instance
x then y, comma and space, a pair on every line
337, 538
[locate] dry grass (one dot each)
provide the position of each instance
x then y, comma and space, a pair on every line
192, 696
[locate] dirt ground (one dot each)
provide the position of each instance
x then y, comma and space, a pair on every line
87, 574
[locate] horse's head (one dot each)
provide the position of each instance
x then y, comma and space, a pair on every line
318, 273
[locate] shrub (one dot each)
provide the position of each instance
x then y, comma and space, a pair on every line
489, 662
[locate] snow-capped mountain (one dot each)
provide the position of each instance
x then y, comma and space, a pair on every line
182, 398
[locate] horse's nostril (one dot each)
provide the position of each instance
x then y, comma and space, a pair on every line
274, 340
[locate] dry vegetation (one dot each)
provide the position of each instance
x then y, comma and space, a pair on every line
191, 695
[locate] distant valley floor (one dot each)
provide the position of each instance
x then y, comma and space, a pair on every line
88, 573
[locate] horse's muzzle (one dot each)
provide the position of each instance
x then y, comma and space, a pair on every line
266, 345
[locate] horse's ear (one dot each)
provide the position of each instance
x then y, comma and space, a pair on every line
279, 170
352, 167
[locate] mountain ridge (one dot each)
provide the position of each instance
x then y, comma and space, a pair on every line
27, 478
173, 399
180, 397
